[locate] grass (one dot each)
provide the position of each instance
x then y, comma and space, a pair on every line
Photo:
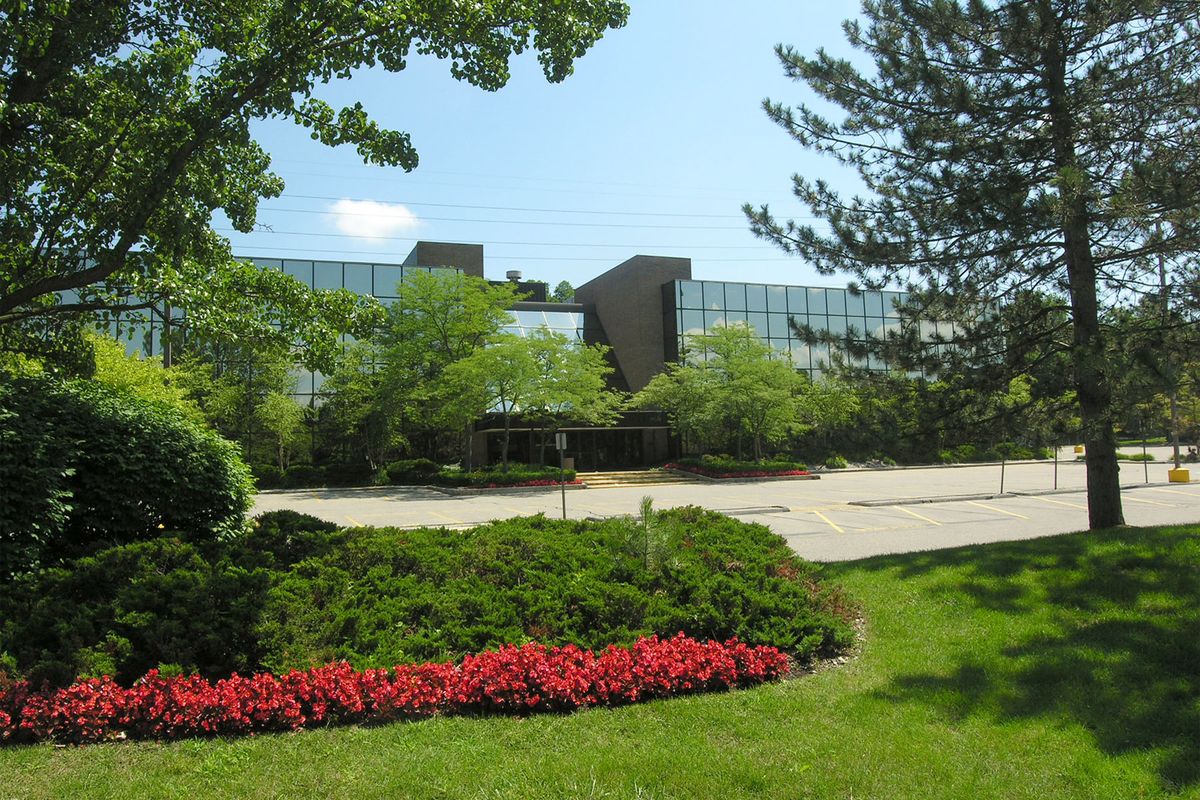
1063, 667
1150, 441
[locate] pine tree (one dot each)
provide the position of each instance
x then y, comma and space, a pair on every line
1007, 146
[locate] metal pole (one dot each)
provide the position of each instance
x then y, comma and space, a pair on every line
1145, 463
1056, 466
1002, 462
561, 484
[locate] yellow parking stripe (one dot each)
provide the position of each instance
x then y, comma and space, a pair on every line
1059, 502
1129, 499
354, 522
828, 521
918, 516
997, 510
1175, 491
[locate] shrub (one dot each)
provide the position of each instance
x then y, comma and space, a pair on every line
517, 474
413, 470
83, 467
836, 462
726, 466
293, 591
129, 608
352, 473
303, 476
267, 476
390, 596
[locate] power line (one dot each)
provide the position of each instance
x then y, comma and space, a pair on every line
514, 208
493, 256
579, 181
500, 242
525, 222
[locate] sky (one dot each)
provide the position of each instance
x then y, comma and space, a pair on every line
650, 147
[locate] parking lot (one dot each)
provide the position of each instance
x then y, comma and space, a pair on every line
845, 515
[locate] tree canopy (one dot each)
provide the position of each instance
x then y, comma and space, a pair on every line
1007, 146
738, 386
124, 126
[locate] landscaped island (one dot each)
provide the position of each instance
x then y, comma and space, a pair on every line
148, 639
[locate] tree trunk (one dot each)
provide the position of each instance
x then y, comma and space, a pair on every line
467, 459
504, 444
1088, 356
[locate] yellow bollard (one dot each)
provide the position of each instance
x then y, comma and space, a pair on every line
1180, 475
1078, 449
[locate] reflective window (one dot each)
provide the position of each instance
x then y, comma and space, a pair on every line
387, 280
301, 270
327, 275
357, 278
889, 304
777, 299
874, 303
713, 318
756, 298
758, 322
816, 301
690, 295
692, 322
797, 298
854, 304
837, 300
734, 316
735, 296
800, 356
836, 325
268, 263
818, 322
714, 296
778, 326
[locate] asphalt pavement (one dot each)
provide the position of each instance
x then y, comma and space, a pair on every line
844, 515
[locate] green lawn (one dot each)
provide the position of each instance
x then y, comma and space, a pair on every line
1056, 668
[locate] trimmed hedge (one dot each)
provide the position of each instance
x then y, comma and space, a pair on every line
295, 593
1007, 451
726, 467
83, 467
422, 471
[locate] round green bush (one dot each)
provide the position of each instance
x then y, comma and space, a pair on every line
132, 607
84, 467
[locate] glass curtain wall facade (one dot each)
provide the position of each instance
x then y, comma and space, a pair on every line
526, 321
142, 331
381, 281
697, 306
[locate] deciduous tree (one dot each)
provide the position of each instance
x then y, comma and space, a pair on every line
124, 126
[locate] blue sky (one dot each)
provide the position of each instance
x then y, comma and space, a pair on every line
650, 147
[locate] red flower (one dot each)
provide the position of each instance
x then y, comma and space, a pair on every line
531, 677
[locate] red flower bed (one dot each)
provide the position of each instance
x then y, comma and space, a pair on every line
509, 680
708, 473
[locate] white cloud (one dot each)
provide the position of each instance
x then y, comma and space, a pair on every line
369, 219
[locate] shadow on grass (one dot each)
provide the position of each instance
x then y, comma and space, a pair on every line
1099, 629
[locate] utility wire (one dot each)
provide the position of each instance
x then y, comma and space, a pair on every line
555, 223
677, 246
